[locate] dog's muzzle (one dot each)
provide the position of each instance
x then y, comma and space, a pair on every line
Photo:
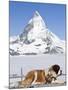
60, 72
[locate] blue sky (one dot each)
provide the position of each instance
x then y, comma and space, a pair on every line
53, 14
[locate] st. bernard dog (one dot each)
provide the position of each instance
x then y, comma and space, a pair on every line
40, 76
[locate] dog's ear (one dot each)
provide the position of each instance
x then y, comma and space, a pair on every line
56, 68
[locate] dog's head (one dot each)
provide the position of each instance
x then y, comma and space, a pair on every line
55, 68
53, 72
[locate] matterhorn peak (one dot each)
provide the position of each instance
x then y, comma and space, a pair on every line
36, 13
37, 20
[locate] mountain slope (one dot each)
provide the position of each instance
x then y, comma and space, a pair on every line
36, 39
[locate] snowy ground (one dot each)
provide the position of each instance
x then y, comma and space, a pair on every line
31, 62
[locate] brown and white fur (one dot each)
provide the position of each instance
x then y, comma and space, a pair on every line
40, 76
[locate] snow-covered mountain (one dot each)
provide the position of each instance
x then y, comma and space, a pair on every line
36, 38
